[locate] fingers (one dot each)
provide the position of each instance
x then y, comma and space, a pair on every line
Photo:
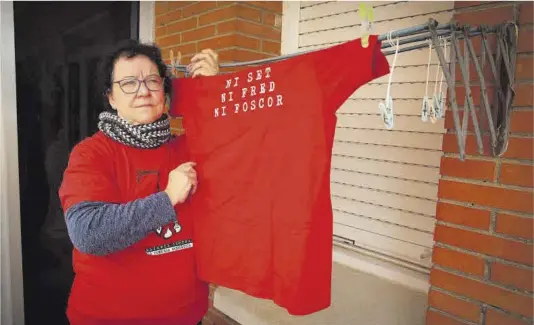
186, 166
205, 63
207, 54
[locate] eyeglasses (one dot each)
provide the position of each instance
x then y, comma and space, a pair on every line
131, 86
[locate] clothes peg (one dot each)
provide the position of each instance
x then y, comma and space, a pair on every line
386, 107
367, 18
175, 62
438, 96
426, 106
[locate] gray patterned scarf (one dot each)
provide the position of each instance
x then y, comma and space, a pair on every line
144, 136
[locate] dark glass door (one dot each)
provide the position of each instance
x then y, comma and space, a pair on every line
58, 47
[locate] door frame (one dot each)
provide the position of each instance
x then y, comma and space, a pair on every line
11, 297
11, 292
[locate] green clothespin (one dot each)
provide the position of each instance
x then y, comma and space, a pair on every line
367, 18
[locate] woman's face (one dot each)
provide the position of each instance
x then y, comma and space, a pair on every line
137, 103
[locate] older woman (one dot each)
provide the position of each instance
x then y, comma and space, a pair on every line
122, 193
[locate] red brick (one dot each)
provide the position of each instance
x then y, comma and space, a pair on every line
176, 123
182, 25
180, 4
466, 4
469, 168
454, 306
462, 262
218, 15
169, 18
513, 276
161, 7
486, 244
244, 55
524, 68
226, 27
249, 13
232, 40
473, 75
525, 42
494, 317
268, 18
475, 94
477, 45
515, 226
435, 318
184, 49
270, 47
167, 41
517, 174
464, 216
489, 16
259, 30
522, 121
521, 148
491, 196
198, 8
495, 296
239, 55
518, 148
273, 6
526, 14
483, 122
226, 3
161, 31
523, 95
198, 34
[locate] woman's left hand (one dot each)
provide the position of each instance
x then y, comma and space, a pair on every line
205, 63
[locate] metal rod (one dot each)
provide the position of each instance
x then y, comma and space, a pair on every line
472, 32
465, 116
483, 91
445, 29
509, 56
413, 30
419, 38
452, 92
465, 79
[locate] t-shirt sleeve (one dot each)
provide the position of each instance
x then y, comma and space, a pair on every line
88, 177
344, 68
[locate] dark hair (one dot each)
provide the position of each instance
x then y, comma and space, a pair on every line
129, 49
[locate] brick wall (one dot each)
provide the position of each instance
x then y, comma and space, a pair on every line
483, 257
238, 31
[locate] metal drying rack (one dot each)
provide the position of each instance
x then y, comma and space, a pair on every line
502, 65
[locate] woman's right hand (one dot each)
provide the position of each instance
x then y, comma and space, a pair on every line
182, 181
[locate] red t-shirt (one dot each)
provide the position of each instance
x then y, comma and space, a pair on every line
131, 286
262, 139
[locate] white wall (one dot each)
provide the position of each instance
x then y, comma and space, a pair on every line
11, 297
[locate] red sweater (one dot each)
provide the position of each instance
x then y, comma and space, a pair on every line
132, 286
262, 139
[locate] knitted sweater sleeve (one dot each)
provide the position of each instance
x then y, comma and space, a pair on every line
99, 221
101, 228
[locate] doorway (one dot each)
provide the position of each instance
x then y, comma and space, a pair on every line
58, 49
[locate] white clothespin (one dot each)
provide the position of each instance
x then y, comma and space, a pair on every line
386, 107
438, 97
425, 109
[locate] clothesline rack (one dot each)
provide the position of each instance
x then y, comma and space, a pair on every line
435, 35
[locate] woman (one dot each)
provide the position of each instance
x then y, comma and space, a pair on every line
122, 193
